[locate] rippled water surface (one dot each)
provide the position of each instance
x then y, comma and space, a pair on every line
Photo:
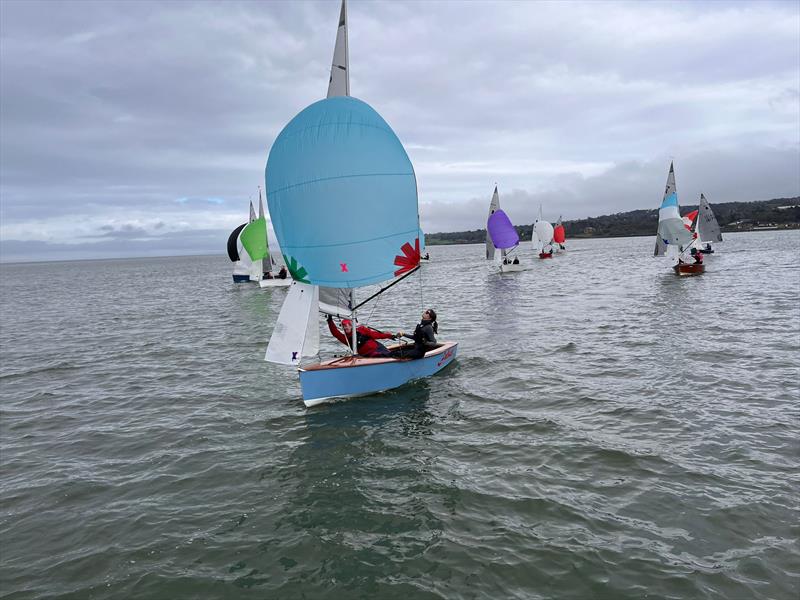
608, 431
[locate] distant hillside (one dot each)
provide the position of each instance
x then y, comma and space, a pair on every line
732, 216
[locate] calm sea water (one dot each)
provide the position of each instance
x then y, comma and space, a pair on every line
608, 431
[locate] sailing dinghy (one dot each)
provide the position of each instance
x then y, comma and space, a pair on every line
272, 263
503, 235
542, 237
706, 227
342, 195
672, 236
559, 237
244, 269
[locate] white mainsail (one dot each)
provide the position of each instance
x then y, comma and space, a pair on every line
542, 234
707, 227
493, 206
672, 233
339, 83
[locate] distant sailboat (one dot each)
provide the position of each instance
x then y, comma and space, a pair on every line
243, 267
273, 268
504, 236
342, 195
672, 236
559, 237
706, 227
423, 249
542, 237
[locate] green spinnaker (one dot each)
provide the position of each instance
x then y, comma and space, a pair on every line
254, 239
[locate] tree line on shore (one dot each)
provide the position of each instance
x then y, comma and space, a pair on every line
732, 216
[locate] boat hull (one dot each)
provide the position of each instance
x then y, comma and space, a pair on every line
241, 278
687, 270
265, 283
512, 268
544, 255
358, 375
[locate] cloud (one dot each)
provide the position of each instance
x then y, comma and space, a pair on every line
141, 113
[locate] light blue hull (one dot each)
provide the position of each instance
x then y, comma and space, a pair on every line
358, 376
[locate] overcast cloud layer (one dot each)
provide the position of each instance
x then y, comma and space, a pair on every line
143, 128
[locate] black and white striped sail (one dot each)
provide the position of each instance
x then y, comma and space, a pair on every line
707, 227
493, 206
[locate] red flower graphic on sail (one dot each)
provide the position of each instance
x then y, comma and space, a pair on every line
409, 259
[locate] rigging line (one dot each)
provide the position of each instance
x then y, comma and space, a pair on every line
421, 297
372, 312
380, 291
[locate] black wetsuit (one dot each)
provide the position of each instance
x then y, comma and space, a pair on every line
424, 340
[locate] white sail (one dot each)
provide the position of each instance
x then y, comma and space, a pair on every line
296, 333
339, 83
536, 241
671, 230
542, 235
335, 302
275, 255
493, 206
707, 227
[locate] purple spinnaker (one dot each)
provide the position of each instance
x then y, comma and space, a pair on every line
501, 230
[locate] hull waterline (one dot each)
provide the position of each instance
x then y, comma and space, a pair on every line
512, 268
359, 376
688, 270
265, 283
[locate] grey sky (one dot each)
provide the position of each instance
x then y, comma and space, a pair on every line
140, 128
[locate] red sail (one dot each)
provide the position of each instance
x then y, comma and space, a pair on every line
558, 234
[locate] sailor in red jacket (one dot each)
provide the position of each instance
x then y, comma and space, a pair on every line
365, 337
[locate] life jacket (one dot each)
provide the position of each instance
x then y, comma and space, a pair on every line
365, 344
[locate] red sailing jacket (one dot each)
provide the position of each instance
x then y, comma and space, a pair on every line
365, 337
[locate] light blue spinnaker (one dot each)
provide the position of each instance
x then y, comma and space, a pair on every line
342, 195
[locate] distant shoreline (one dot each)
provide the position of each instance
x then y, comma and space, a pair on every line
583, 236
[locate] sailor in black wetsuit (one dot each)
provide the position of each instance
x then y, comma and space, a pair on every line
424, 337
